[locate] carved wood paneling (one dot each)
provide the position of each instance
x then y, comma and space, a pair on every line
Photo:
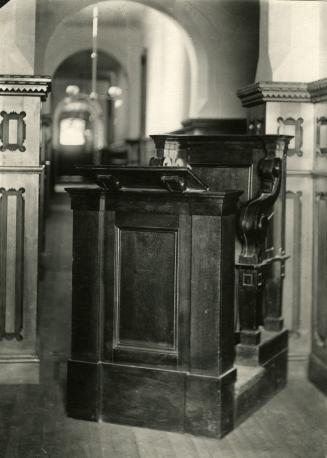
292, 282
13, 131
321, 146
146, 286
320, 309
292, 126
12, 263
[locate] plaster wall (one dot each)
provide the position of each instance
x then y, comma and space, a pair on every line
17, 37
292, 41
168, 75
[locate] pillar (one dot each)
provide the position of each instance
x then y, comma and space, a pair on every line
20, 169
289, 97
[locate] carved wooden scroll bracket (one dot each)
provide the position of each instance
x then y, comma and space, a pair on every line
253, 262
255, 215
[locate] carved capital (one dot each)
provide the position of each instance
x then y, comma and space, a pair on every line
318, 90
30, 85
280, 91
271, 91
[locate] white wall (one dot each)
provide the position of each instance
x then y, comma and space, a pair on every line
17, 37
168, 76
292, 41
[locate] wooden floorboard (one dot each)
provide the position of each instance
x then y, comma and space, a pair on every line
33, 423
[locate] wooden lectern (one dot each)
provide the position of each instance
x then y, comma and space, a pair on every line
154, 341
153, 316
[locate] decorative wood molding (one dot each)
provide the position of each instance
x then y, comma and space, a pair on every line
296, 124
124, 338
318, 90
212, 126
307, 173
26, 85
300, 173
279, 91
295, 259
12, 263
22, 169
270, 91
321, 145
13, 141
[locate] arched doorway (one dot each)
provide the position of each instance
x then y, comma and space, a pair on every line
125, 30
84, 125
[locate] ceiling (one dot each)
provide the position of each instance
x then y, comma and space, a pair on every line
113, 14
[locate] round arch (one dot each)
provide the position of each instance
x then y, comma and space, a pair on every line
196, 50
183, 97
76, 69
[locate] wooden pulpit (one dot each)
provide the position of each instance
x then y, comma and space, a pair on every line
157, 338
153, 315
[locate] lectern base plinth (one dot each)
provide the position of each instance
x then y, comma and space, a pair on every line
261, 373
153, 398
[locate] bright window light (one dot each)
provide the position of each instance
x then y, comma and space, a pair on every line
72, 132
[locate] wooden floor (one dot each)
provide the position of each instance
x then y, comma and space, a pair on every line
33, 423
